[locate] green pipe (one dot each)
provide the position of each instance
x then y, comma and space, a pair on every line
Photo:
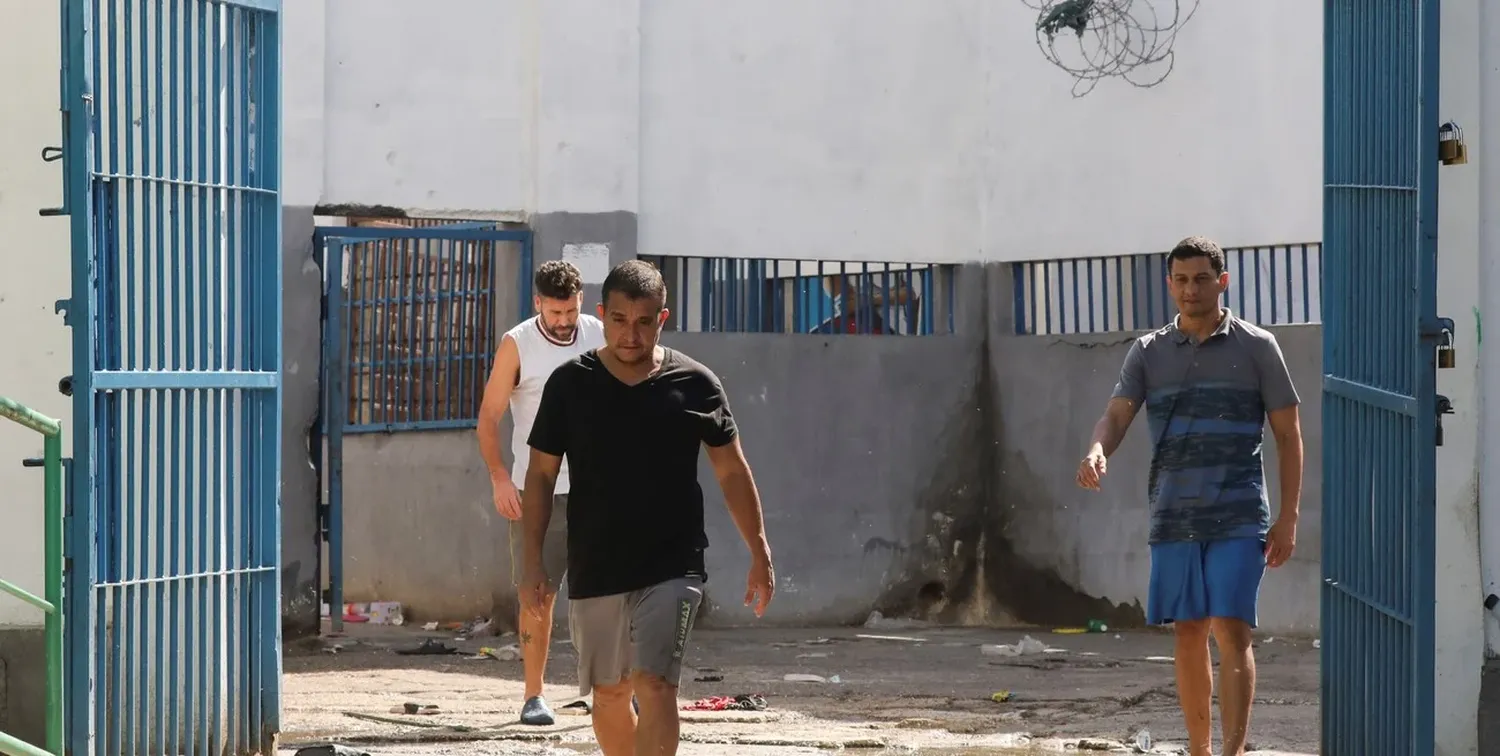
14, 746
29, 417
25, 595
53, 532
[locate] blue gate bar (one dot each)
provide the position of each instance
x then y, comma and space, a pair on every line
1380, 229
184, 380
417, 322
335, 379
1389, 401
171, 120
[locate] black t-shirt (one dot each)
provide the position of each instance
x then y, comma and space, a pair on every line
635, 509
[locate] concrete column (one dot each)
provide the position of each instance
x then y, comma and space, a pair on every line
585, 128
1485, 144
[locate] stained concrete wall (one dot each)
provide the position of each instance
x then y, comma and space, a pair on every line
929, 476
23, 683
301, 353
1050, 392
419, 525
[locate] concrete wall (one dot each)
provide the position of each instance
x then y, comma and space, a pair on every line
301, 353
36, 260
1051, 390
35, 257
845, 129
905, 475
420, 527
1460, 612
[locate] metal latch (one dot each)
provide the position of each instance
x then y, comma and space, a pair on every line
1443, 406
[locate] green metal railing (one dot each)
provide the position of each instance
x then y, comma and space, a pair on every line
52, 465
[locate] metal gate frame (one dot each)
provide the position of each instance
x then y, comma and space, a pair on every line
1380, 333
333, 423
171, 113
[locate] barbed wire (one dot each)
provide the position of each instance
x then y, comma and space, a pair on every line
1099, 39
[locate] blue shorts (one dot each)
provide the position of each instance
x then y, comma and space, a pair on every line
1194, 580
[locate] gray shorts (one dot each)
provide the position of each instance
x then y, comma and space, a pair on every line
554, 548
641, 631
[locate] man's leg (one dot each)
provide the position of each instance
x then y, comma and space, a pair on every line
536, 631
1233, 570
1178, 596
1195, 685
601, 635
614, 719
661, 619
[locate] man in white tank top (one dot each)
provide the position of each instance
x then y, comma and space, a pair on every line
527, 356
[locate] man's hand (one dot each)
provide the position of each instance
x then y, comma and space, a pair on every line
1091, 469
535, 588
507, 501
1281, 541
760, 584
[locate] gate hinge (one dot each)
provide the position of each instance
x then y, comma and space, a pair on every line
1435, 328
64, 307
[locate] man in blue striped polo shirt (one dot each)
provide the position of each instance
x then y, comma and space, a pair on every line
1209, 382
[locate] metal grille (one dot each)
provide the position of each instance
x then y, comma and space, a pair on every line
826, 297
1379, 321
409, 327
1270, 285
171, 112
419, 314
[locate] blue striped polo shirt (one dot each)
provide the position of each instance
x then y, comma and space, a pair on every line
1206, 405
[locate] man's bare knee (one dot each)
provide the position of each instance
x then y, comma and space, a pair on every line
608, 696
1191, 631
1232, 634
653, 689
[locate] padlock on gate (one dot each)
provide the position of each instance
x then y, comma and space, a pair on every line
1451, 147
1447, 356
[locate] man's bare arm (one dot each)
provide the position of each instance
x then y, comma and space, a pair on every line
1112, 425
741, 497
497, 391
1286, 428
536, 503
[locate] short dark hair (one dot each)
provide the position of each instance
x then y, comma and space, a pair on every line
636, 279
1198, 246
557, 279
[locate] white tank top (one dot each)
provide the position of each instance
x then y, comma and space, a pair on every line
540, 355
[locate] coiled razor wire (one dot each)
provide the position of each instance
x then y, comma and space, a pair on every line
1099, 39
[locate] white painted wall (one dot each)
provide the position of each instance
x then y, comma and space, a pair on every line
843, 129
1488, 132
1460, 629
34, 255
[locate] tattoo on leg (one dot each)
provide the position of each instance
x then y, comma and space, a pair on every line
525, 638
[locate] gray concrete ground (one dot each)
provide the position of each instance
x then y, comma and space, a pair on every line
911, 690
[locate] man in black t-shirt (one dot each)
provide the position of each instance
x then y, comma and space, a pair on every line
631, 417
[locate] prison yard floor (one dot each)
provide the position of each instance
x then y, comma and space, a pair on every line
914, 690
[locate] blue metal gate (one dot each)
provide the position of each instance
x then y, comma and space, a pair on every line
171, 112
1380, 332
411, 319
